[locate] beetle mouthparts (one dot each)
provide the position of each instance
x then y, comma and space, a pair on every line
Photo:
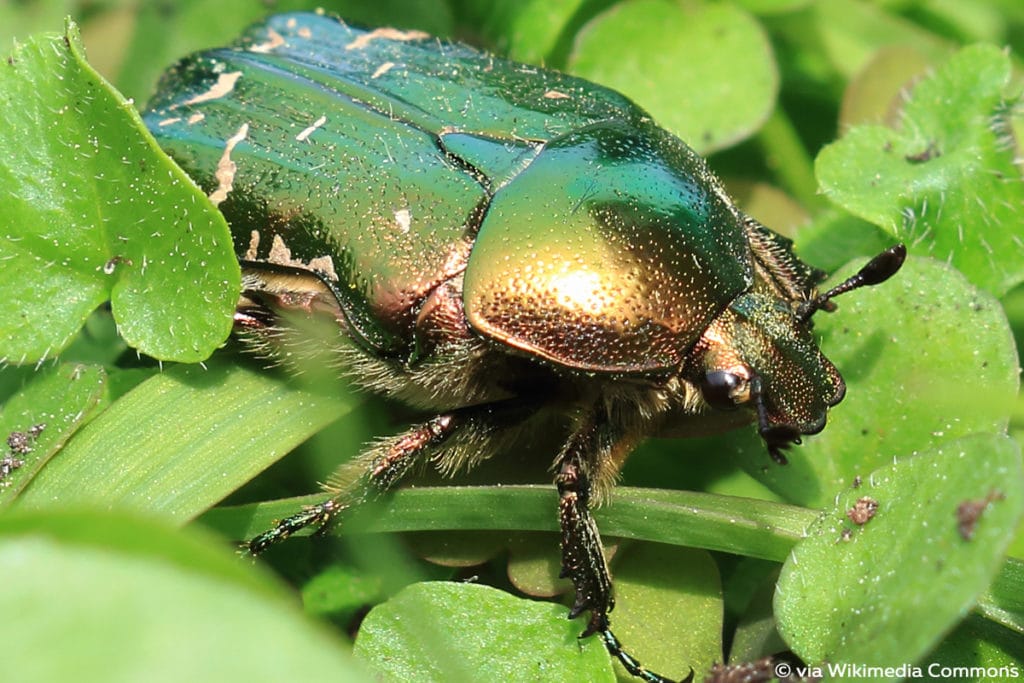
876, 271
778, 439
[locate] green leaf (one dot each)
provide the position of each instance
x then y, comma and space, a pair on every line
908, 386
668, 608
1003, 603
440, 631
978, 643
834, 237
740, 526
770, 7
97, 342
912, 571
534, 569
526, 30
340, 591
166, 32
756, 635
657, 52
133, 229
946, 182
20, 19
135, 601
825, 46
60, 400
167, 448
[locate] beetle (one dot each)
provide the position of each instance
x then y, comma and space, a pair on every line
504, 247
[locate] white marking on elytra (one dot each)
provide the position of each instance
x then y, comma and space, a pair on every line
226, 168
385, 34
383, 69
254, 245
224, 85
168, 122
404, 219
274, 40
306, 132
282, 255
556, 95
196, 118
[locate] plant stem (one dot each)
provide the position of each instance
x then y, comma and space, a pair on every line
741, 526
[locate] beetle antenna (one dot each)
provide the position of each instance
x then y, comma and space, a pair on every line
876, 271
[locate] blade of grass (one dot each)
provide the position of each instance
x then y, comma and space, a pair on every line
737, 525
182, 441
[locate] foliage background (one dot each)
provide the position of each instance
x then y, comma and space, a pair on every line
105, 539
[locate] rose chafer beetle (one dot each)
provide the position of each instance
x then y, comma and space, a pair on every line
504, 247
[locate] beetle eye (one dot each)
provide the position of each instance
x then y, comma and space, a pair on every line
724, 390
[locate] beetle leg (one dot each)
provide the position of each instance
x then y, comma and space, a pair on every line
387, 465
630, 664
582, 553
583, 558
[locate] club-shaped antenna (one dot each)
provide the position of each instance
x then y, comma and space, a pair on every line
875, 271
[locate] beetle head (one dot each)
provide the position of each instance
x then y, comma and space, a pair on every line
760, 353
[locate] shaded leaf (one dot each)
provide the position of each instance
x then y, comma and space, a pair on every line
534, 564
756, 635
980, 644
131, 601
874, 95
466, 549
1003, 603
834, 237
340, 591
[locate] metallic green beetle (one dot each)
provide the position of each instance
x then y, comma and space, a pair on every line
504, 247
